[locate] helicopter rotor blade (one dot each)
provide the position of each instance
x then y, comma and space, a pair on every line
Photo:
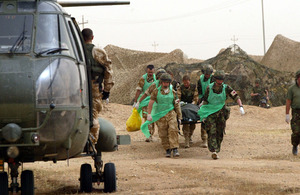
91, 3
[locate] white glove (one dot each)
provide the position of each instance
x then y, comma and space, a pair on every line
182, 103
287, 118
242, 110
134, 104
149, 117
107, 101
179, 121
137, 105
200, 104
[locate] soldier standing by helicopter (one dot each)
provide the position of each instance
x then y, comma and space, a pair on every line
101, 74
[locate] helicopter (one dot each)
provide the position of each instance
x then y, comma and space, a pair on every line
46, 101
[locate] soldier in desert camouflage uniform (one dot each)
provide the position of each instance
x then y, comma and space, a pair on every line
154, 85
175, 83
166, 115
187, 92
101, 72
293, 101
205, 79
214, 113
139, 105
144, 83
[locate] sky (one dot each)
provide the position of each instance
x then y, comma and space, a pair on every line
200, 28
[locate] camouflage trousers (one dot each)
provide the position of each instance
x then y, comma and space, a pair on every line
203, 132
188, 130
295, 126
168, 130
215, 126
97, 107
151, 127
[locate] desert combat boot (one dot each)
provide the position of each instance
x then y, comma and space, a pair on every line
186, 142
204, 144
295, 150
214, 155
175, 152
168, 153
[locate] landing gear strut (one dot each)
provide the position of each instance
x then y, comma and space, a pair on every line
27, 180
108, 176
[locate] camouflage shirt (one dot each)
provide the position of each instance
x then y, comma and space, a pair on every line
189, 95
151, 89
175, 84
142, 82
101, 57
229, 92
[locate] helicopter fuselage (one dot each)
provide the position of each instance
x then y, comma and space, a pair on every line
44, 102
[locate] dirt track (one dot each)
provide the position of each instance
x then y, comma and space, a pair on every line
255, 158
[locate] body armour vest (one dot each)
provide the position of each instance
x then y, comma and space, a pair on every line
97, 68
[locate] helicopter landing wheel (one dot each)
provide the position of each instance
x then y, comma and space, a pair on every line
86, 182
3, 183
110, 181
27, 182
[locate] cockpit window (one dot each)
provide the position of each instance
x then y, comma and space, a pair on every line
26, 6
15, 33
52, 36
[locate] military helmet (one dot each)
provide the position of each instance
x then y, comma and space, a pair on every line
207, 69
297, 74
257, 80
165, 77
159, 72
219, 74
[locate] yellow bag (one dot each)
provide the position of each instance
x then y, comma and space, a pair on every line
134, 122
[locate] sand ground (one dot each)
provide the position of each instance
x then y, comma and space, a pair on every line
255, 158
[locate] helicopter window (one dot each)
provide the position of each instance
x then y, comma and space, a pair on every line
15, 36
26, 6
45, 6
59, 83
76, 38
52, 36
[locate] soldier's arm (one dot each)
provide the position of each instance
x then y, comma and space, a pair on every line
177, 107
108, 78
148, 92
177, 86
179, 93
199, 88
195, 98
149, 107
232, 93
288, 106
205, 97
101, 56
139, 88
153, 98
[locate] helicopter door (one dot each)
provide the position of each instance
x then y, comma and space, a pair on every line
84, 68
